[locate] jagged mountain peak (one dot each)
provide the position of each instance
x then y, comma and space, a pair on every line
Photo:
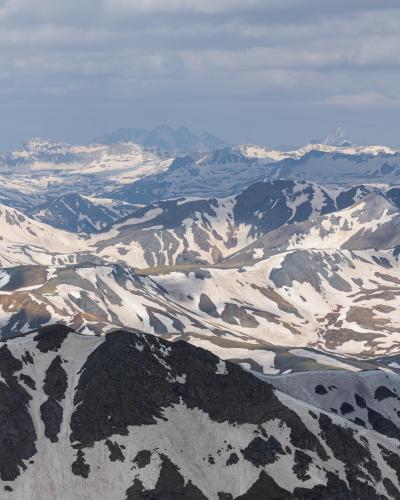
338, 138
40, 145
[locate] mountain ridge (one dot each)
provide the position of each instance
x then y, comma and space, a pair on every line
347, 228
130, 405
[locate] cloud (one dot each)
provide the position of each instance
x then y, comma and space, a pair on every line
162, 6
92, 53
369, 99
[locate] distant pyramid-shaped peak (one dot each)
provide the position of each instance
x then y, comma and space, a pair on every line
338, 139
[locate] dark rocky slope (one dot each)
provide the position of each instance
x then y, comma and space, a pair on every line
131, 416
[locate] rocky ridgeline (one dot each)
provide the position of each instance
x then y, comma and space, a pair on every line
131, 416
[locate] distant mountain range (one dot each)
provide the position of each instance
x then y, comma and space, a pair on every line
225, 172
42, 172
165, 139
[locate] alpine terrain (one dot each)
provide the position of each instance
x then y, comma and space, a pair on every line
183, 318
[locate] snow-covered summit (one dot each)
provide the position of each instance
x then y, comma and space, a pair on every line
338, 138
340, 142
336, 143
261, 152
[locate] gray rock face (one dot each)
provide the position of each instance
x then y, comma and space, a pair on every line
79, 214
305, 267
17, 431
370, 399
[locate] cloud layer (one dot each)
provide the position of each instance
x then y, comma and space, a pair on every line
254, 69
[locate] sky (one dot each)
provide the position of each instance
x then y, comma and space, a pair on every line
262, 71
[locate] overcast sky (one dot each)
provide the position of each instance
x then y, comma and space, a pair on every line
264, 71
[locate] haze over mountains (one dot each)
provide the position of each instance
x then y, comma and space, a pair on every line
285, 263
165, 139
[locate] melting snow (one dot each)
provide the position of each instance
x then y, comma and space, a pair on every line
4, 278
221, 368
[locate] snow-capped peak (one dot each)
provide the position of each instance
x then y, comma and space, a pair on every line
260, 152
338, 139
38, 145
